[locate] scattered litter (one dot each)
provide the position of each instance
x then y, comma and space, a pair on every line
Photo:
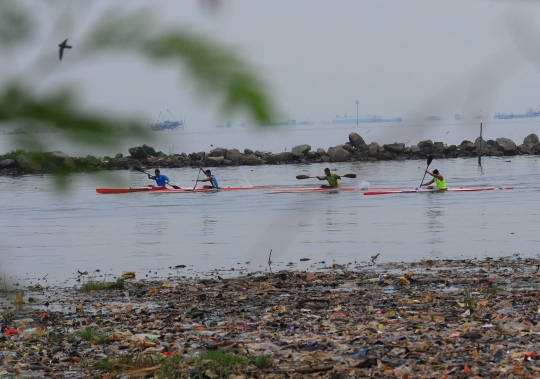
337, 322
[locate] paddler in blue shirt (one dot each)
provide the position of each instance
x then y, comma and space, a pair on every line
437, 179
161, 180
210, 178
331, 178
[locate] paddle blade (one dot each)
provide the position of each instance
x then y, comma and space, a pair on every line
429, 160
175, 187
352, 176
302, 177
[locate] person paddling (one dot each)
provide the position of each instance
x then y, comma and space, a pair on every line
331, 178
210, 178
161, 180
438, 179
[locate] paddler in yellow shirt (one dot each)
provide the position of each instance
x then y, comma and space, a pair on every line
331, 178
438, 179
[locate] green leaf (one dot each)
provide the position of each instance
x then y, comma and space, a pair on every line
214, 70
15, 24
20, 107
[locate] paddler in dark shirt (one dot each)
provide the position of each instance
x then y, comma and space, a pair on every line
331, 178
437, 179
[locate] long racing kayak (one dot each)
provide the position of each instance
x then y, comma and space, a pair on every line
170, 190
315, 189
389, 191
127, 190
202, 189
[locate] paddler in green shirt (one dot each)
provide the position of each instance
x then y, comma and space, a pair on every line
437, 179
331, 178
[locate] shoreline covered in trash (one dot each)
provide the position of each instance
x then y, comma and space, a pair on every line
427, 319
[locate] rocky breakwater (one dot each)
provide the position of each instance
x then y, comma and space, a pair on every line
356, 149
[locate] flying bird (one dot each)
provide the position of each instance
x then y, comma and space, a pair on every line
63, 46
374, 257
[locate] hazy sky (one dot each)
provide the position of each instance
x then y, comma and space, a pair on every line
397, 58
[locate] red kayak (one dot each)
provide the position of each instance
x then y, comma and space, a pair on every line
202, 189
313, 189
128, 190
170, 190
389, 191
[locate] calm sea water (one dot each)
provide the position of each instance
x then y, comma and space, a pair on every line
47, 233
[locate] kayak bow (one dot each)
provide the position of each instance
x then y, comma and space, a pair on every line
389, 191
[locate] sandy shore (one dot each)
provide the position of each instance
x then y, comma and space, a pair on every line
429, 319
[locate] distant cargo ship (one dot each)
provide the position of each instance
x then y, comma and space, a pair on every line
278, 123
363, 120
529, 114
167, 121
432, 118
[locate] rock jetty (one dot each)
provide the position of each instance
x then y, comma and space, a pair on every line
354, 150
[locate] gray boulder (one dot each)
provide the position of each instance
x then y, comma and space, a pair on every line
137, 152
261, 154
415, 149
61, 159
300, 150
395, 148
227, 162
384, 156
467, 146
531, 139
338, 153
438, 148
248, 152
195, 157
450, 149
118, 156
321, 152
425, 144
233, 155
218, 152
252, 160
7, 163
213, 161
526, 149
373, 149
93, 161
356, 140
506, 145
349, 148
284, 157
149, 151
481, 142
27, 163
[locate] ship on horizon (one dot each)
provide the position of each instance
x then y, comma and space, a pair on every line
278, 123
167, 121
529, 114
363, 120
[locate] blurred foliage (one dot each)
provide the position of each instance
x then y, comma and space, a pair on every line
58, 112
15, 24
12, 154
215, 71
